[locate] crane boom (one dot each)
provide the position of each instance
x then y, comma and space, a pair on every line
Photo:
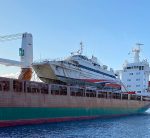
10, 37
25, 53
8, 62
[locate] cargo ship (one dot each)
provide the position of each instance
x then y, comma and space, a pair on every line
25, 102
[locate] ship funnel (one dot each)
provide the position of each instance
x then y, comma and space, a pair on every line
26, 55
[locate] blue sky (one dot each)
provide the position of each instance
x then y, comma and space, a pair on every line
108, 28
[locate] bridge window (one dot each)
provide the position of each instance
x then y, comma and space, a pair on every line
138, 79
137, 85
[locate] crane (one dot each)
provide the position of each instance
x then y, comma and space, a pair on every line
25, 53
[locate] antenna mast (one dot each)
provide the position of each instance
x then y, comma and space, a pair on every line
136, 52
81, 47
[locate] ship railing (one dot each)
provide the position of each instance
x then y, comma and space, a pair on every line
48, 59
4, 84
77, 91
15, 85
58, 89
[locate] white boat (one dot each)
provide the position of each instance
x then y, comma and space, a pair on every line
76, 69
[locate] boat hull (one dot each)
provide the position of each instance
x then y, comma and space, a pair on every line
53, 72
12, 116
25, 102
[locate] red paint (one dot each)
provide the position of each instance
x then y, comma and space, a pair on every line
93, 80
50, 120
130, 92
113, 85
40, 121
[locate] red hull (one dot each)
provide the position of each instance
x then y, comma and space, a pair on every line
51, 120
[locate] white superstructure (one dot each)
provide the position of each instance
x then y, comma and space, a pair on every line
135, 75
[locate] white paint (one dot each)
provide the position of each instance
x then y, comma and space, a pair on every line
135, 76
27, 47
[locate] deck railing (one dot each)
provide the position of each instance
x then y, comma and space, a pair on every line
15, 85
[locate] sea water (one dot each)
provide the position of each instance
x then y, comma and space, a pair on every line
135, 126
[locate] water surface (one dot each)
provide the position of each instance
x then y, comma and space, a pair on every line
137, 126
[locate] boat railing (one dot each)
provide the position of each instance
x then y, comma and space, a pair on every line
47, 60
18, 86
4, 85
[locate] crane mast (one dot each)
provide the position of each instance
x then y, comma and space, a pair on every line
25, 53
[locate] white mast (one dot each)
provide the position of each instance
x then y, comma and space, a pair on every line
26, 50
136, 52
81, 48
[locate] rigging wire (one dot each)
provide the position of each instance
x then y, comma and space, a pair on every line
10, 37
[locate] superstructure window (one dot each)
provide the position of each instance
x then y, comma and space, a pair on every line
138, 73
141, 67
137, 85
128, 86
130, 73
128, 67
138, 79
128, 79
136, 67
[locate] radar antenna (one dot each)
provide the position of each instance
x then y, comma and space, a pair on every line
139, 44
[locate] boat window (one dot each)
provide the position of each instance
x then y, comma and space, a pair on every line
75, 62
141, 67
138, 73
128, 67
130, 73
81, 56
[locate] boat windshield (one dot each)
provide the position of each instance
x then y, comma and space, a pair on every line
80, 56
